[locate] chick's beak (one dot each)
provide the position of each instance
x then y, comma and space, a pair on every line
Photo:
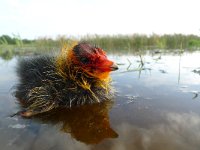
114, 67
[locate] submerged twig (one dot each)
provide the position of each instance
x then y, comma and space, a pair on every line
129, 64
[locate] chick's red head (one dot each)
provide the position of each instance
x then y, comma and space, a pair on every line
93, 60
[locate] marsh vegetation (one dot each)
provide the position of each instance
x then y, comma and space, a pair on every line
11, 46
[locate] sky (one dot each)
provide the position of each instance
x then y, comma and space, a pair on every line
50, 18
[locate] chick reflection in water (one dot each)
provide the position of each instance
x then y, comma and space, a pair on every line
72, 88
88, 123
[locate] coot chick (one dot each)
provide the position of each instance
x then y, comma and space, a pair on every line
77, 76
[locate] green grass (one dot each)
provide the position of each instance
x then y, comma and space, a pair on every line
10, 46
138, 42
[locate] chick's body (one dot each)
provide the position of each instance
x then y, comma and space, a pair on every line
48, 82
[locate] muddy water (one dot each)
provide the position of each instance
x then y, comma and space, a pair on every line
157, 106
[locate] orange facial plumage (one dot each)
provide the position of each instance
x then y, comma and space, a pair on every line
92, 60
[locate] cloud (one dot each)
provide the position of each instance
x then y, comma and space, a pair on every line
178, 131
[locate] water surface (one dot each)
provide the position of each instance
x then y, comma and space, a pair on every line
157, 106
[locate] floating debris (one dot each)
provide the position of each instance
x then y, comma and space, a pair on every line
157, 51
131, 98
130, 101
162, 71
196, 71
196, 94
156, 59
17, 126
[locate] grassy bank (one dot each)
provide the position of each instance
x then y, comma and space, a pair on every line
143, 42
10, 46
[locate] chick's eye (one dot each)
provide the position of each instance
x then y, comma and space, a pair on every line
84, 60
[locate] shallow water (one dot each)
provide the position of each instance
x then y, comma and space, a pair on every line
157, 106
